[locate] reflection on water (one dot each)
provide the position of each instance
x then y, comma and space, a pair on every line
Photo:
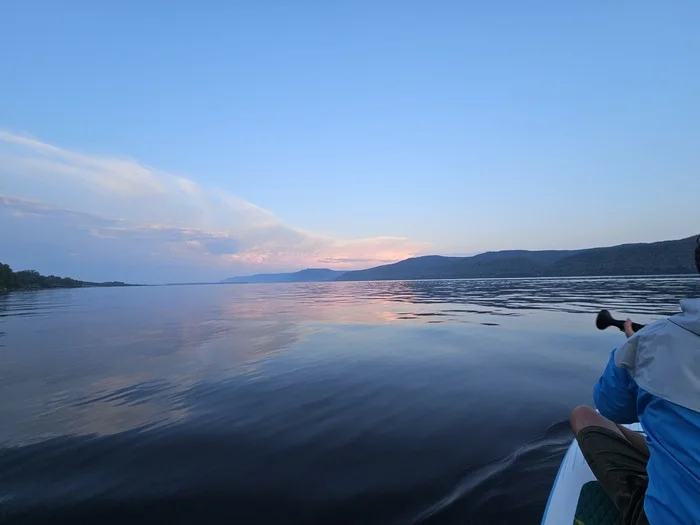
369, 402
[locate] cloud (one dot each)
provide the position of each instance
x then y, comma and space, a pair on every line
348, 260
30, 208
213, 243
116, 206
122, 176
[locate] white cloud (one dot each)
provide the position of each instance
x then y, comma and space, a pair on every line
122, 176
34, 208
146, 214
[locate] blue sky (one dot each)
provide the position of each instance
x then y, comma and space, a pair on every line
154, 141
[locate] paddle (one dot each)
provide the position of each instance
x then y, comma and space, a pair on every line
605, 320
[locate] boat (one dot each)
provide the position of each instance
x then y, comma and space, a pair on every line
576, 497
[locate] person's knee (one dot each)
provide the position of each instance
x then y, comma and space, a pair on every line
582, 416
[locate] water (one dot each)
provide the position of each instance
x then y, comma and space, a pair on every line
431, 402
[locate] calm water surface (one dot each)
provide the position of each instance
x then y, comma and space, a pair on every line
431, 402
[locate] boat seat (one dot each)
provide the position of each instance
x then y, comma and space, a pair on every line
595, 507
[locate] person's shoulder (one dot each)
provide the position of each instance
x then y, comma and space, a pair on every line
689, 316
663, 359
677, 332
654, 328
644, 339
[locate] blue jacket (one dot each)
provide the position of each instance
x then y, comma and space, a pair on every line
654, 378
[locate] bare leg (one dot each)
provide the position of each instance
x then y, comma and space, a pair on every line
584, 416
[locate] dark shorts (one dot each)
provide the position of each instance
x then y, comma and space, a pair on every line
621, 469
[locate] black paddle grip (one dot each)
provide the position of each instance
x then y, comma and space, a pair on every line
605, 320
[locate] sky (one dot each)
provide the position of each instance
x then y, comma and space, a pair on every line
196, 140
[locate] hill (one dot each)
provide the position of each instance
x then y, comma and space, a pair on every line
658, 258
508, 263
33, 280
310, 275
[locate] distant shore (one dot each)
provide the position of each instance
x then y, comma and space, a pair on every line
11, 281
83, 284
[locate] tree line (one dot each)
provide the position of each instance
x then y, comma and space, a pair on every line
33, 280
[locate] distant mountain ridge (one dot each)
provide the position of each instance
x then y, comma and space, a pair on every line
657, 258
310, 275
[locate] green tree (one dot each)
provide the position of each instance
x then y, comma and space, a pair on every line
8, 280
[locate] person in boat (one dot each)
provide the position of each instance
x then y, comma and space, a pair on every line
654, 378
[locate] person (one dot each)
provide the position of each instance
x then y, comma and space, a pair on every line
654, 378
